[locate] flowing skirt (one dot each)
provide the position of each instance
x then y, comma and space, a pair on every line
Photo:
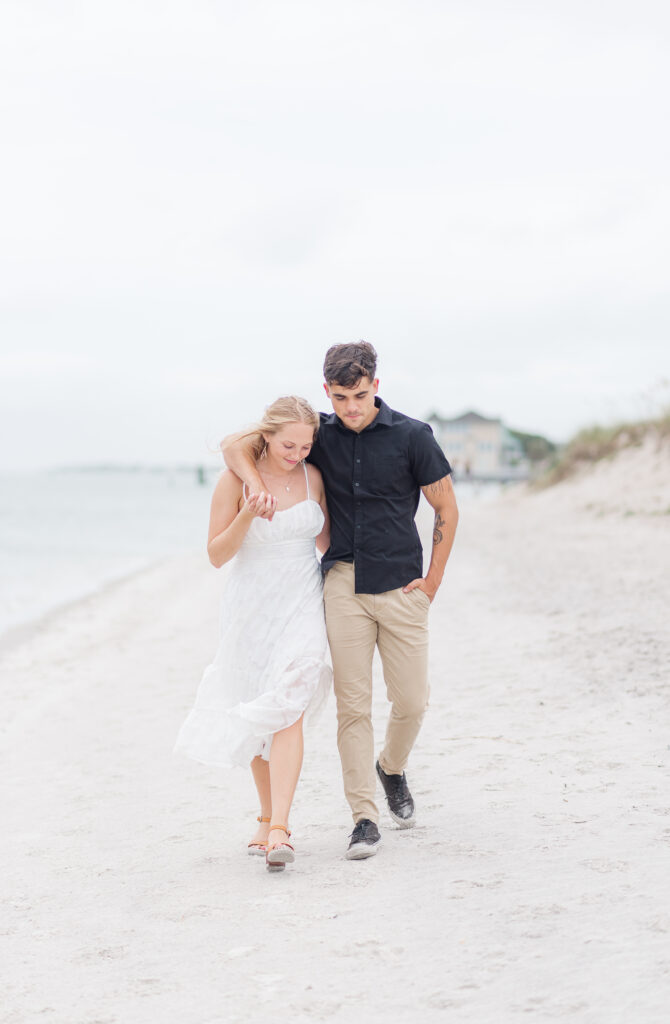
270, 666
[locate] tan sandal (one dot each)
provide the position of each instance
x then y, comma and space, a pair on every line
278, 855
257, 849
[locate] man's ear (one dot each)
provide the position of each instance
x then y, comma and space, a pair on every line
326, 388
375, 385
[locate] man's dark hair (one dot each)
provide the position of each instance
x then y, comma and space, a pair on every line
346, 364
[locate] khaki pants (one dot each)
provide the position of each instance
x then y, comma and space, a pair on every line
398, 624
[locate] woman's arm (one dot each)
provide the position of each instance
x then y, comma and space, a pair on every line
318, 492
228, 522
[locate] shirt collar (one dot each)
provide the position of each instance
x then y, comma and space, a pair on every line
383, 418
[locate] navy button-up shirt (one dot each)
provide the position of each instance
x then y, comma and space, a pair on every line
373, 481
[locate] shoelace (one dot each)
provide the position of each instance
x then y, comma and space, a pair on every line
362, 830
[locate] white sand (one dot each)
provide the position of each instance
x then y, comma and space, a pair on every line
536, 885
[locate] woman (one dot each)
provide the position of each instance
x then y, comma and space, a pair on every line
270, 669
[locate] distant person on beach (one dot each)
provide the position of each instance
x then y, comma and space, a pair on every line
375, 462
270, 669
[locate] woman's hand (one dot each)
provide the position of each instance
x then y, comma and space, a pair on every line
261, 505
232, 515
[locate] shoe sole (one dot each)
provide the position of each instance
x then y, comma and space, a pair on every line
361, 851
279, 857
403, 822
256, 851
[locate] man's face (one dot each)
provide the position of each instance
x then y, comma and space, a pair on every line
354, 406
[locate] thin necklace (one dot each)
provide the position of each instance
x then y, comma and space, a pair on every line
287, 487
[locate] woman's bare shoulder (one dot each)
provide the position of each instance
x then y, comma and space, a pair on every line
227, 486
314, 477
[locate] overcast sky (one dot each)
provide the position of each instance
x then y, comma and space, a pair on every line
197, 198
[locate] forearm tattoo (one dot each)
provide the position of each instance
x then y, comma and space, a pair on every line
437, 532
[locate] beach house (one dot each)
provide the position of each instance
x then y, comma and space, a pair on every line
480, 448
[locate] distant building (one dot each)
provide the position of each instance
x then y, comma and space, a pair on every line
480, 448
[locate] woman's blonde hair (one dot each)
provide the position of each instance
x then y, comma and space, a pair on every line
287, 409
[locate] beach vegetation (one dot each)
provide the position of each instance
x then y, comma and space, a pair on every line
535, 447
595, 443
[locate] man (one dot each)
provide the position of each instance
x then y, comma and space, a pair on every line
374, 463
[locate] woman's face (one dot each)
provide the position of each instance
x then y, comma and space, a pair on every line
289, 445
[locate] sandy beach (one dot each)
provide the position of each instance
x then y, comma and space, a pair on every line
535, 886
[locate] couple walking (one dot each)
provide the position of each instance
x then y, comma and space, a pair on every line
348, 485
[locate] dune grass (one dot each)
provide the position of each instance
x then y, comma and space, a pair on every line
591, 444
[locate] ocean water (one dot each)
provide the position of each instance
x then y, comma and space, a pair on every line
64, 534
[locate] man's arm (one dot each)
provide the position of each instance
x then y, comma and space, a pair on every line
443, 500
238, 456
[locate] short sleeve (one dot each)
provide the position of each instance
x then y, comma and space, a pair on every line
315, 454
427, 459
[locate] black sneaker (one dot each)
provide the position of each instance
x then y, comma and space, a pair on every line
398, 797
365, 840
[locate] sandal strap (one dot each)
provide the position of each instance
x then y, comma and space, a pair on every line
259, 818
282, 828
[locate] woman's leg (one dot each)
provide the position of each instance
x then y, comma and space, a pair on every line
260, 770
285, 764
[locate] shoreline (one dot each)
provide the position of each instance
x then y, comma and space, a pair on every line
67, 536
22, 632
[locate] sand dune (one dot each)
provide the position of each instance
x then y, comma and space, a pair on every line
535, 887
632, 482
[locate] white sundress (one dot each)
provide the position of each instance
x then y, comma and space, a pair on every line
270, 665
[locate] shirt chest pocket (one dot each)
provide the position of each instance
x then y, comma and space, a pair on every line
386, 476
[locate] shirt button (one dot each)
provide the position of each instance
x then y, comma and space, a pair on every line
358, 460
357, 484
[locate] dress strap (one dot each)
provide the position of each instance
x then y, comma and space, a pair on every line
304, 466
244, 491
